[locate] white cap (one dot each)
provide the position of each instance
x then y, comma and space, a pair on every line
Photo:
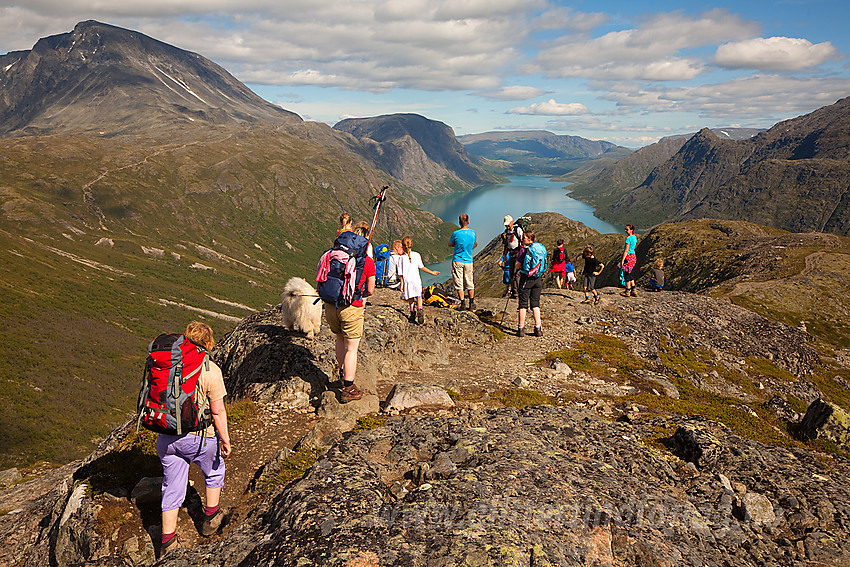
508, 219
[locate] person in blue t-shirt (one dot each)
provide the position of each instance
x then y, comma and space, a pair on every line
463, 241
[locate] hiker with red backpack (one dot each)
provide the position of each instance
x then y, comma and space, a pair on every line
345, 277
559, 264
533, 266
182, 399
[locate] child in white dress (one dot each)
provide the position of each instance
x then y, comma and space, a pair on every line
407, 268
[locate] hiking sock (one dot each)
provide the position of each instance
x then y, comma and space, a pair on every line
168, 537
210, 510
347, 384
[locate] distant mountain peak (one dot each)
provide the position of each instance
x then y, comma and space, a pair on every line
104, 78
415, 149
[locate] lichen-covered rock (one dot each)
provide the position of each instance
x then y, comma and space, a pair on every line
542, 486
9, 477
757, 508
824, 420
696, 445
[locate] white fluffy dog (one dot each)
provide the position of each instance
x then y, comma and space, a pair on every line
300, 307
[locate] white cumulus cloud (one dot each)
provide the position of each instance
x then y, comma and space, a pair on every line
551, 108
651, 52
773, 54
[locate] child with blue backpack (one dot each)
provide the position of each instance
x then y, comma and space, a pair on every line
531, 282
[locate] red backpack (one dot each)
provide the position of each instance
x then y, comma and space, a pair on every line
169, 401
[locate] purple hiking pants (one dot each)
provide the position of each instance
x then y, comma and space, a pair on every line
176, 452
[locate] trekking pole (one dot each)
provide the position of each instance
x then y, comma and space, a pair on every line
505, 310
379, 198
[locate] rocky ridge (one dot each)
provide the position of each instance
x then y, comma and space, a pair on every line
417, 151
794, 176
616, 473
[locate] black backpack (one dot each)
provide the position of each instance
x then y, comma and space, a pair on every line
557, 256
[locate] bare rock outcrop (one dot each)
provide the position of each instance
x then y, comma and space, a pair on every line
540, 486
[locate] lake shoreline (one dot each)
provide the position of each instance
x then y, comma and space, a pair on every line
488, 204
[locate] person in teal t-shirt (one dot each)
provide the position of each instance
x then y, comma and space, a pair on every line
463, 241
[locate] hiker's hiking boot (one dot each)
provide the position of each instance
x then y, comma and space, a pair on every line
351, 394
597, 299
633, 293
471, 304
412, 317
521, 332
538, 331
211, 524
173, 543
462, 305
420, 317
625, 293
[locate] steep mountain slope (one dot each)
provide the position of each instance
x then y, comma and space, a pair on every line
537, 152
416, 150
105, 79
601, 185
795, 176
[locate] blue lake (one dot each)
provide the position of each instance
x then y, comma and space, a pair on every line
487, 205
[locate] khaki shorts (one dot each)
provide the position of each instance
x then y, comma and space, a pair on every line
347, 320
462, 275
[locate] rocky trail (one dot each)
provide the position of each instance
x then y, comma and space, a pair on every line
586, 467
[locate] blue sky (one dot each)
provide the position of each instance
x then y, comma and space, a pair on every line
626, 72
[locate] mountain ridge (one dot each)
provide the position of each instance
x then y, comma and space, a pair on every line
403, 143
110, 80
793, 176
537, 152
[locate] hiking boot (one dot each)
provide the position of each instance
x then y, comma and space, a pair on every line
597, 299
521, 332
173, 543
420, 317
538, 331
462, 305
351, 394
211, 524
625, 293
471, 304
412, 317
633, 293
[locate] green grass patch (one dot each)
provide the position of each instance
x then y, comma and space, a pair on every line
683, 362
241, 410
292, 468
596, 353
716, 408
827, 380
368, 422
520, 398
767, 368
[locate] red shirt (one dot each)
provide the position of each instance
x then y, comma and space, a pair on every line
368, 272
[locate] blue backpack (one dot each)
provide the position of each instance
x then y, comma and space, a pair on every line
331, 289
381, 254
534, 260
